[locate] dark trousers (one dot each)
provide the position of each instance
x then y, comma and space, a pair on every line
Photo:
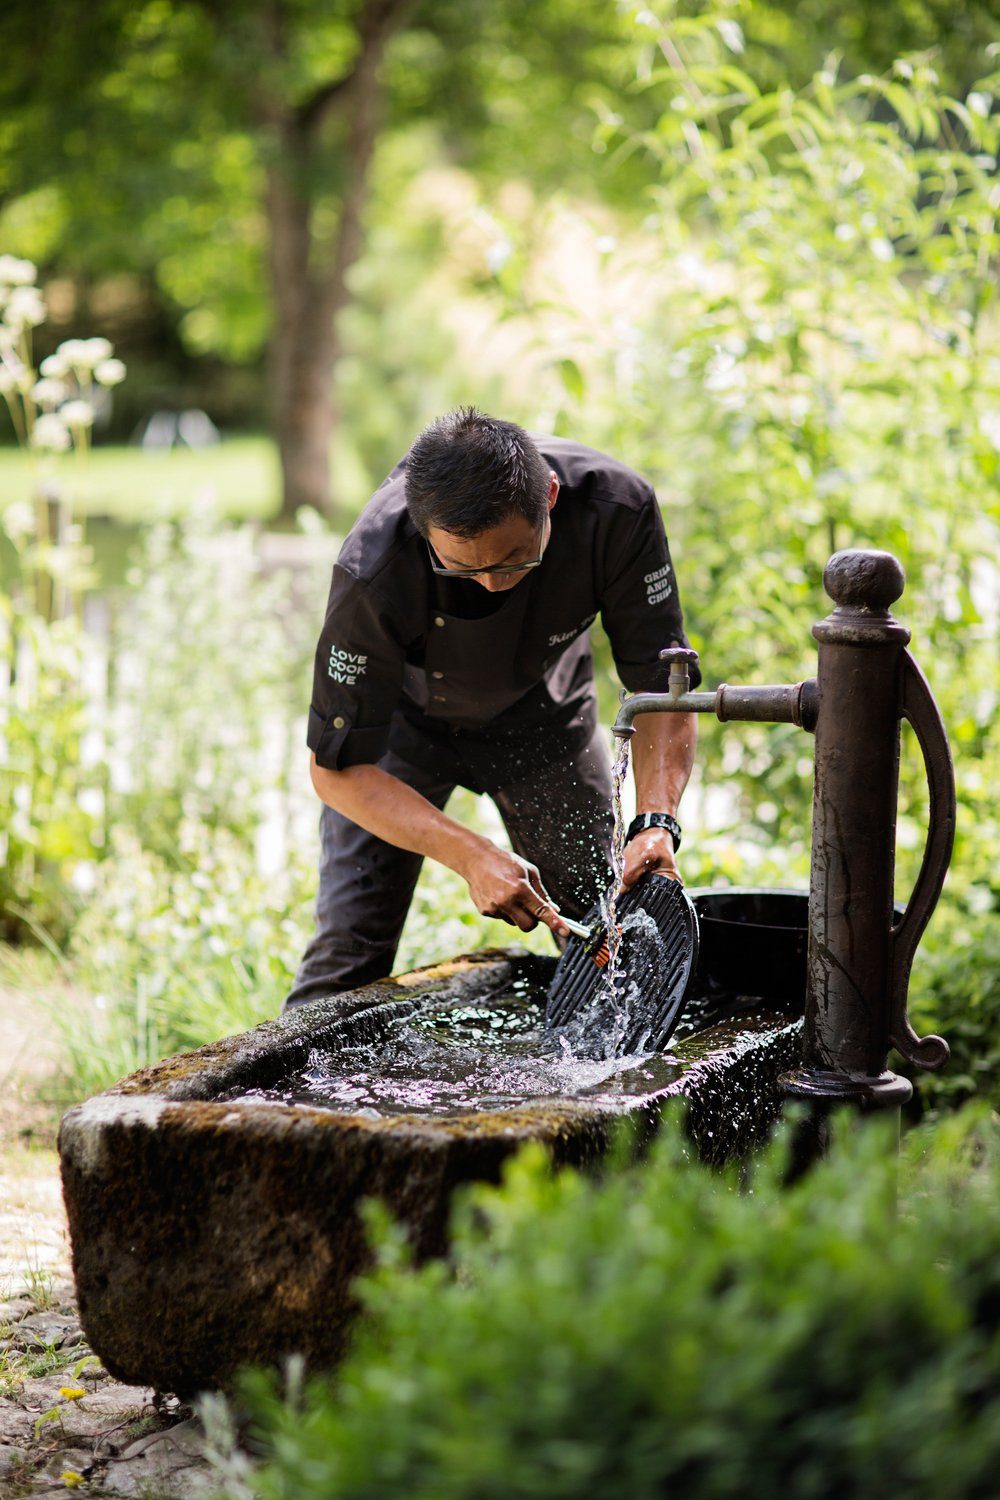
558, 818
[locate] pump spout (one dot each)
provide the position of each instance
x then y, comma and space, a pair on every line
678, 699
659, 703
778, 703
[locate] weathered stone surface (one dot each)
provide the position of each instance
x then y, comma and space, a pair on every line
10, 1458
15, 1423
170, 1463
46, 1330
15, 1310
76, 1460
208, 1236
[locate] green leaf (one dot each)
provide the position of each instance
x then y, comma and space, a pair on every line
572, 378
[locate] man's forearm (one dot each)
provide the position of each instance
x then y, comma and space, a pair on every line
663, 750
385, 806
662, 756
501, 884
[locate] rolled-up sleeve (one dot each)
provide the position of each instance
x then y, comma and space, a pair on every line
640, 603
357, 676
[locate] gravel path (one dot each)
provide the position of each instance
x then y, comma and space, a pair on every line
64, 1422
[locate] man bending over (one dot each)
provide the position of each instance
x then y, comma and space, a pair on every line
456, 653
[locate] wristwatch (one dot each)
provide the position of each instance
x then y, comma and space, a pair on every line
655, 820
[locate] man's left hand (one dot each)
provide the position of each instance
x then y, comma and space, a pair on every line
650, 850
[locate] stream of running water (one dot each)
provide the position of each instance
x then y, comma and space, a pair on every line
609, 901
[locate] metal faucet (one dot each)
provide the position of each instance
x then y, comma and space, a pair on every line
859, 956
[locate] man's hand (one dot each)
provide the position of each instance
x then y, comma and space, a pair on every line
504, 885
652, 849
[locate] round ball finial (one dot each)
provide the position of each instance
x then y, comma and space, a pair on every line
864, 580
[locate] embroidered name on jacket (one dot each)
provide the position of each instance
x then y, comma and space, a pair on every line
346, 666
568, 635
659, 585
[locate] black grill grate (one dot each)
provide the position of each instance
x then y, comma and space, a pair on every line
660, 974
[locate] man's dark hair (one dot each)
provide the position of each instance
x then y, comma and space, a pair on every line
467, 473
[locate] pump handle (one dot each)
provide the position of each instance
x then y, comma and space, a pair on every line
920, 710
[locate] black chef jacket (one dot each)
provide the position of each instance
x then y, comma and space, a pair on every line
481, 685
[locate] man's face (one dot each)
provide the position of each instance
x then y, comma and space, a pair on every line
514, 541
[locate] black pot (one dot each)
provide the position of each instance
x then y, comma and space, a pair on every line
753, 942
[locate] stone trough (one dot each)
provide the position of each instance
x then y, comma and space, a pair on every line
212, 1231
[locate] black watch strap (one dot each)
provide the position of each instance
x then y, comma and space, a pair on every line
655, 820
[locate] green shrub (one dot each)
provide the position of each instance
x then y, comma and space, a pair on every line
667, 1331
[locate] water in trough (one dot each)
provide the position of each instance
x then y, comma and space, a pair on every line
489, 1055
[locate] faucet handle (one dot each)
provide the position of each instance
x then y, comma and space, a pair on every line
681, 659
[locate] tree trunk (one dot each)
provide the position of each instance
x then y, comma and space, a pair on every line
309, 285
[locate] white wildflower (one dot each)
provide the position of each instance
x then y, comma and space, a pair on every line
15, 272
8, 381
25, 308
74, 353
98, 349
109, 372
54, 366
48, 392
51, 434
19, 520
77, 414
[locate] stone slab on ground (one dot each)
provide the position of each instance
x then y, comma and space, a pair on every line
16, 1423
169, 1463
45, 1330
13, 1311
10, 1458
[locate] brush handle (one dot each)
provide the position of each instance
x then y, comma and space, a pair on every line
578, 929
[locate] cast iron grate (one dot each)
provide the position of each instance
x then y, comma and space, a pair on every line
656, 969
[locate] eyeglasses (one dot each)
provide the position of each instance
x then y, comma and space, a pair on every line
497, 570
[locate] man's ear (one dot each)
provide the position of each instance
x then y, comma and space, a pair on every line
553, 489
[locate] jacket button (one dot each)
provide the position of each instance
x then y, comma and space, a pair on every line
439, 619
438, 675
338, 722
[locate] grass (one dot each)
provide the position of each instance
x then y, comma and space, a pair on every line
19, 1365
238, 479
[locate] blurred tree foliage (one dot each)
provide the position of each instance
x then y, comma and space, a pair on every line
228, 150
250, 160
794, 37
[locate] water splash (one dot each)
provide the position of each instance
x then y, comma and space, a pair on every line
491, 1056
606, 1026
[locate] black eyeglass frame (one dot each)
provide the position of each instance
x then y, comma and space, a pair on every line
495, 570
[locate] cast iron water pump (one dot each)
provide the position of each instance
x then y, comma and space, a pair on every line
859, 953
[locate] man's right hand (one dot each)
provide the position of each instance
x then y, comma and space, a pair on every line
504, 885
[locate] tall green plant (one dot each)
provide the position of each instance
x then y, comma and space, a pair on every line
820, 372
46, 821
